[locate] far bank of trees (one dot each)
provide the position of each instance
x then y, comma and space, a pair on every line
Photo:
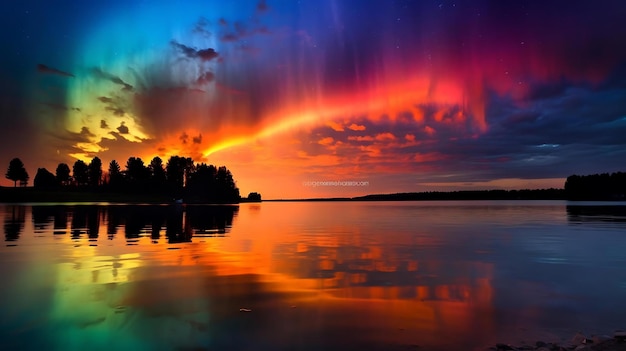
178, 178
593, 187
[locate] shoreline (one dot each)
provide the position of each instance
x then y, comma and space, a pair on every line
615, 341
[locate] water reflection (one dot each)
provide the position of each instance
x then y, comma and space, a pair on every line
597, 213
178, 223
14, 218
306, 276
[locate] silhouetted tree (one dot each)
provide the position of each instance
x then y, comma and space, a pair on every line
80, 170
63, 174
227, 190
16, 171
44, 179
208, 184
115, 175
137, 174
178, 172
202, 182
256, 197
596, 187
95, 172
157, 172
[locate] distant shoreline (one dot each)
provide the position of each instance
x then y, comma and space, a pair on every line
29, 194
525, 194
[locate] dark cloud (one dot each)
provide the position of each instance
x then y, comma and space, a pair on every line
123, 129
113, 105
205, 78
201, 27
197, 139
547, 90
116, 110
236, 33
104, 124
262, 6
112, 78
51, 70
105, 99
84, 131
192, 53
64, 136
229, 37
184, 138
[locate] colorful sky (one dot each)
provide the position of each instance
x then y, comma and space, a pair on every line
400, 95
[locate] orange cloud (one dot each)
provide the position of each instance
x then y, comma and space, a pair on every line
385, 137
336, 126
326, 141
356, 127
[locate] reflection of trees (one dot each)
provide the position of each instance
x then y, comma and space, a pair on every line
199, 221
114, 220
60, 220
79, 221
606, 214
14, 219
42, 216
211, 219
180, 223
93, 221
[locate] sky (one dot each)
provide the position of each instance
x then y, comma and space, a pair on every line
321, 98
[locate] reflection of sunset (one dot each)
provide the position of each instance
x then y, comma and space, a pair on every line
118, 264
383, 276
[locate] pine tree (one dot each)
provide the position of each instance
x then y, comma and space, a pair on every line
17, 172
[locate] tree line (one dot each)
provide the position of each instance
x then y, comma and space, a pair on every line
178, 178
602, 186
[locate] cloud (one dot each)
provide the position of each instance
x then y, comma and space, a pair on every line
205, 78
361, 138
84, 131
105, 99
385, 137
123, 129
201, 27
51, 70
336, 126
112, 105
355, 126
197, 139
103, 124
207, 54
262, 6
112, 78
326, 141
184, 138
116, 110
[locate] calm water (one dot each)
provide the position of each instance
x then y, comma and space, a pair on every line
309, 276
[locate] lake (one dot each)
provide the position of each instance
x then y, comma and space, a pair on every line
310, 275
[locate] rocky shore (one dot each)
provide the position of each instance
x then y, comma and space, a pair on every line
579, 342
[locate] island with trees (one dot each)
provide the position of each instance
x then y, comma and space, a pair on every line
157, 182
